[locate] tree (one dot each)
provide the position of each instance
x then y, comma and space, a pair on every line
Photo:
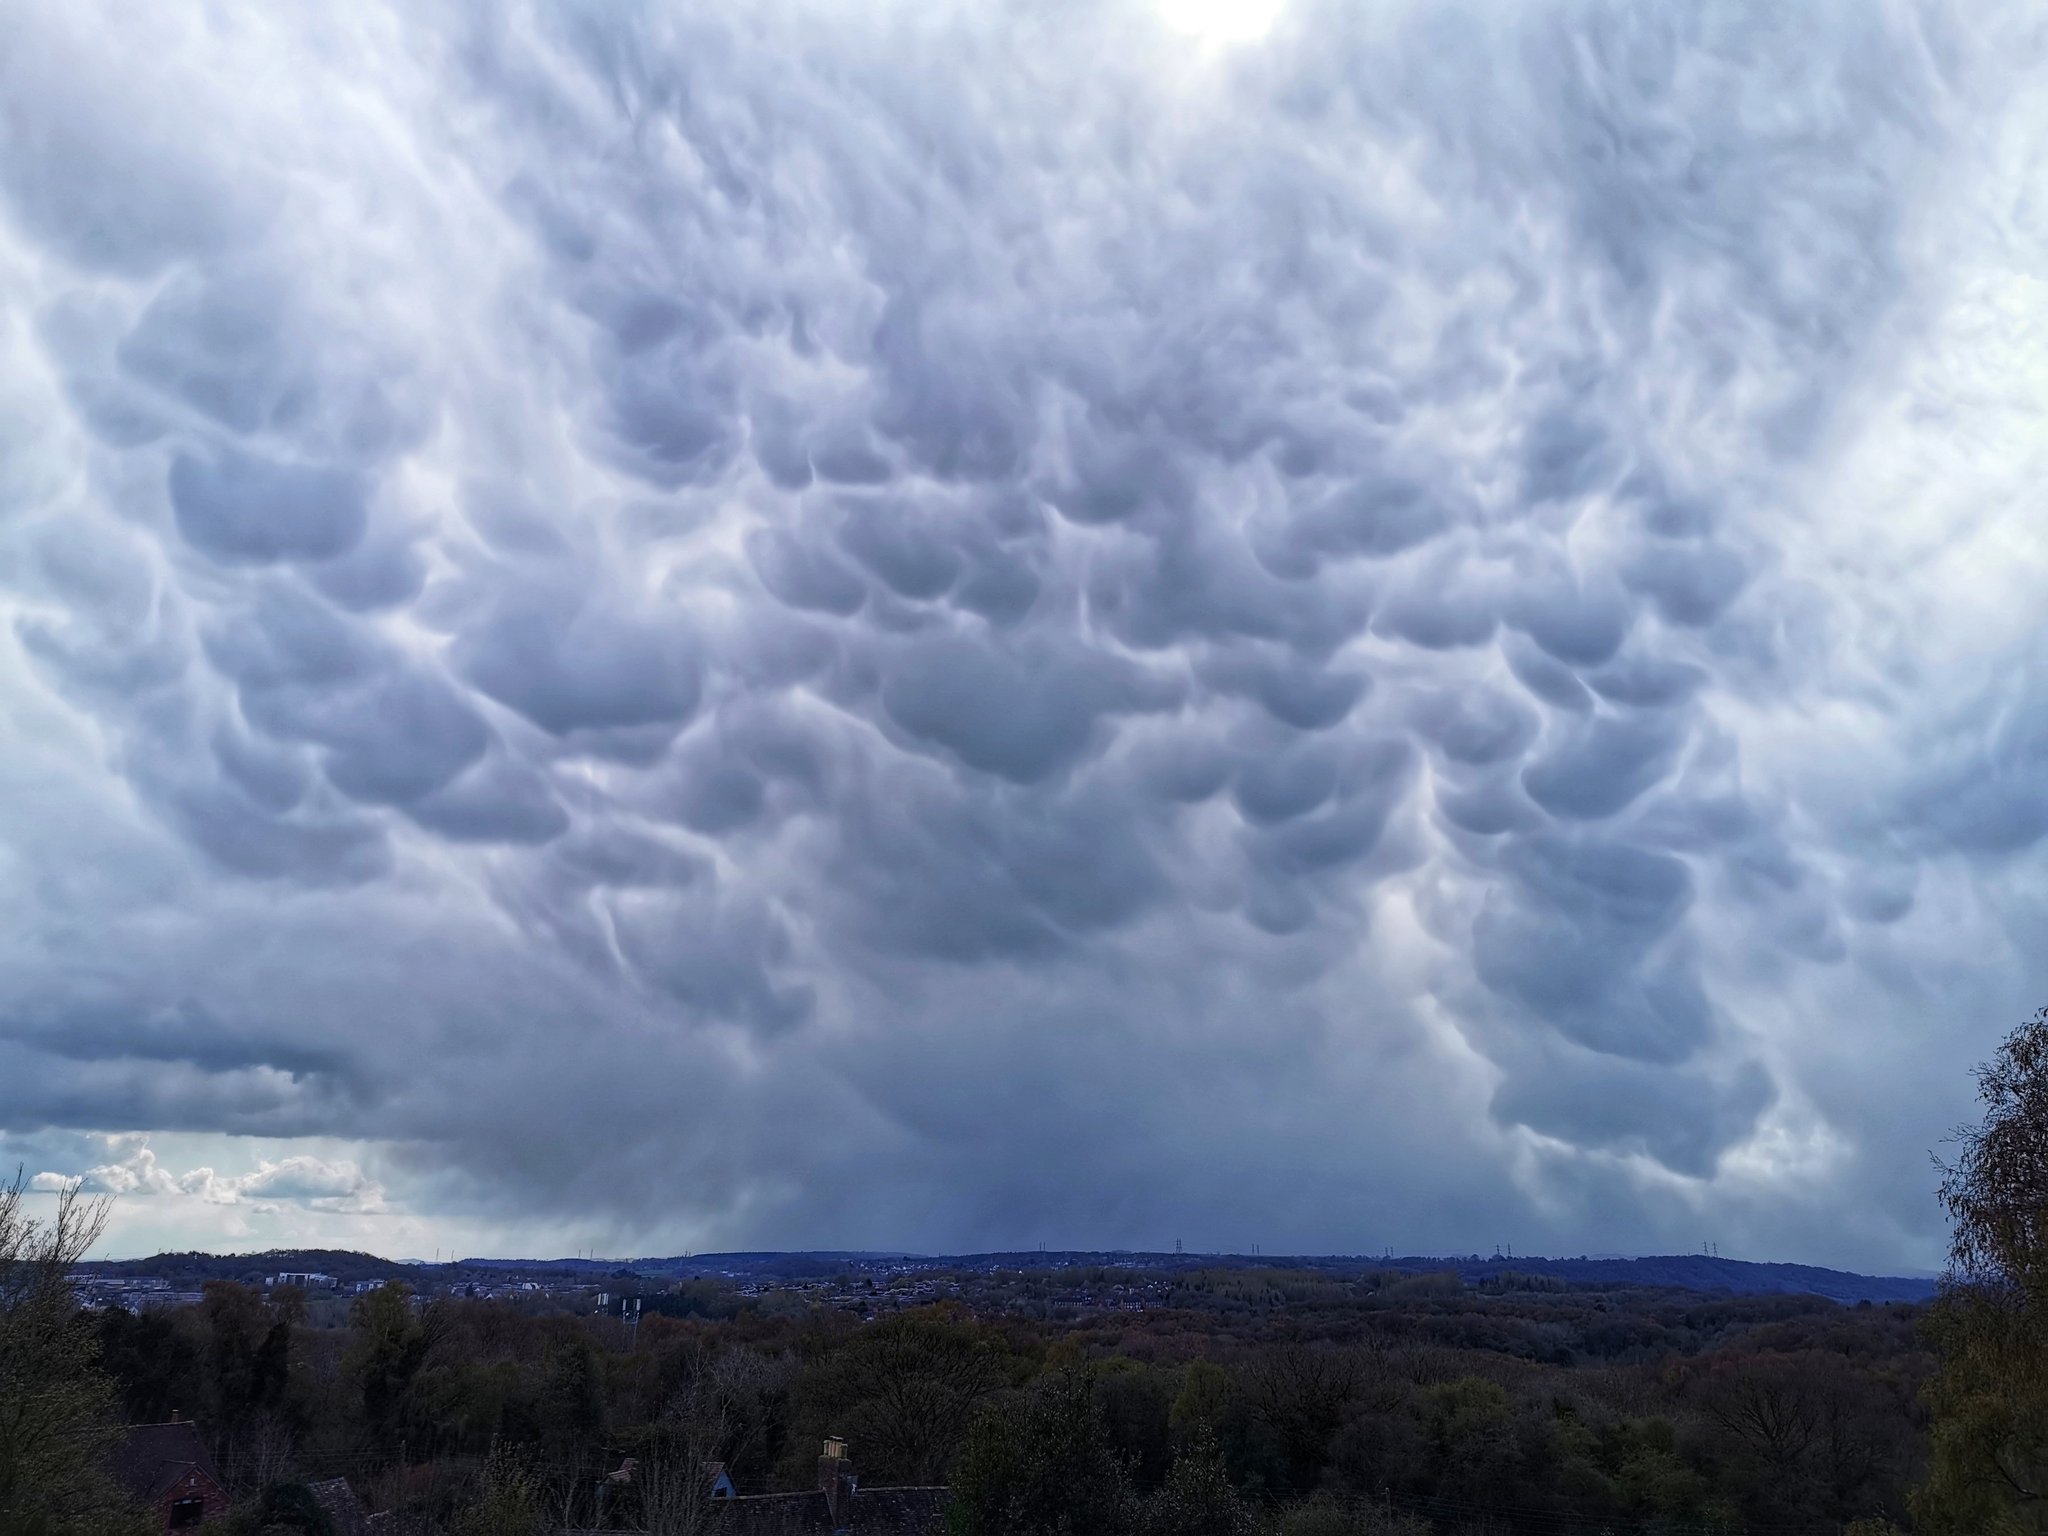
1042, 1468
571, 1403
1197, 1499
155, 1367
283, 1509
1301, 1394
1769, 1405
1136, 1406
1204, 1394
248, 1374
509, 1501
385, 1358
904, 1391
56, 1406
714, 1417
1324, 1516
1996, 1191
1990, 1396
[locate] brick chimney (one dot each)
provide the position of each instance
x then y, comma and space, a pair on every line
836, 1482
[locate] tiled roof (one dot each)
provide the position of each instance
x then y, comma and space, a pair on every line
876, 1512
900, 1511
154, 1456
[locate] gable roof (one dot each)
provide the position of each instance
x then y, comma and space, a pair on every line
152, 1457
875, 1512
900, 1511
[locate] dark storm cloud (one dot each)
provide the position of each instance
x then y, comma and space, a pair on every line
641, 610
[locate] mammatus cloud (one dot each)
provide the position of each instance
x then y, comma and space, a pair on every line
810, 624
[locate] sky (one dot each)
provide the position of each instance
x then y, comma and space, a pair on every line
663, 627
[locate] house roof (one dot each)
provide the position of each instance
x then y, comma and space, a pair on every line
876, 1512
900, 1511
153, 1457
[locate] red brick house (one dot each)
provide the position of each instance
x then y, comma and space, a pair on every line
165, 1467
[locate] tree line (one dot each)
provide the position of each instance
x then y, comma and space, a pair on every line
1254, 1404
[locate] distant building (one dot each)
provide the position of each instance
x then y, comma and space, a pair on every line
165, 1301
305, 1280
166, 1468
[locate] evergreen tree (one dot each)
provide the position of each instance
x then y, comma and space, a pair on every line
509, 1502
1197, 1499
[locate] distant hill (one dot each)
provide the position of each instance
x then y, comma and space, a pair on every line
189, 1270
1690, 1272
1696, 1272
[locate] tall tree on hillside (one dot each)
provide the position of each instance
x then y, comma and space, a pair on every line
248, 1378
1301, 1394
56, 1406
390, 1347
1197, 1499
156, 1368
707, 1422
1990, 1396
905, 1390
1043, 1467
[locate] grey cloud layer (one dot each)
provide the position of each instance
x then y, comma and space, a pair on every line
819, 625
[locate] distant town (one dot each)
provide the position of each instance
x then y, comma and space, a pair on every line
1044, 1285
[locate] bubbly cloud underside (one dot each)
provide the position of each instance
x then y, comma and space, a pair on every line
958, 625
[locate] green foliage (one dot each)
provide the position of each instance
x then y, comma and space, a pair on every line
1136, 1403
1990, 1406
1336, 1408
1300, 1395
571, 1407
283, 1509
1042, 1468
509, 1500
390, 1347
904, 1390
1411, 1288
1465, 1410
471, 1402
1204, 1394
157, 1367
1324, 1516
1197, 1499
1989, 1399
56, 1406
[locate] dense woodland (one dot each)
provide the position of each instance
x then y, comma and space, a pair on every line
1251, 1401
1384, 1403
